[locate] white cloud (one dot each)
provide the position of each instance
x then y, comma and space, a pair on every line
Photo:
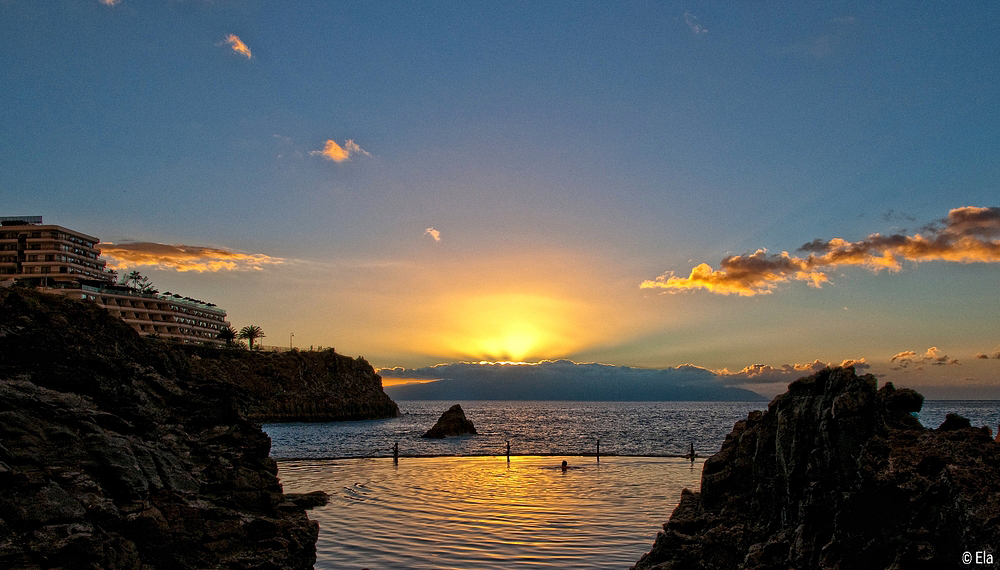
692, 21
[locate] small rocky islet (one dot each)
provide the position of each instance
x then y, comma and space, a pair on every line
451, 423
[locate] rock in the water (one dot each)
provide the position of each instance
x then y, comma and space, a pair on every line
838, 474
308, 500
452, 422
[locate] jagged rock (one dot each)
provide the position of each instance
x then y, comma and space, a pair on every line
837, 474
452, 422
309, 500
118, 453
953, 422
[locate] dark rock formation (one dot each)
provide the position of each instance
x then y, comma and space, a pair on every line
309, 500
837, 474
953, 422
452, 422
299, 386
117, 453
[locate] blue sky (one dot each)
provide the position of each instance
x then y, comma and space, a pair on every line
566, 152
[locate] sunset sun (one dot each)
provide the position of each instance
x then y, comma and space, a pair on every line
512, 326
519, 342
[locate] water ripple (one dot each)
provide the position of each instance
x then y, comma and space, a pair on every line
480, 512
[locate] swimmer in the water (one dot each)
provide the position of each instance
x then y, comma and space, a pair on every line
565, 466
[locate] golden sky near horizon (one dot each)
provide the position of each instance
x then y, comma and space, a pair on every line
749, 189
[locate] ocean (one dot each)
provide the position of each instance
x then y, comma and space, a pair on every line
458, 503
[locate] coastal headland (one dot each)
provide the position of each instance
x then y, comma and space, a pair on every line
839, 474
298, 386
123, 452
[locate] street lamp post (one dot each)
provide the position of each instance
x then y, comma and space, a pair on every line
290, 335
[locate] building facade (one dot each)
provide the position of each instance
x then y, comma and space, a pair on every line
48, 255
166, 316
67, 262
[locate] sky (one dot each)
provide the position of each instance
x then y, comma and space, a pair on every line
758, 189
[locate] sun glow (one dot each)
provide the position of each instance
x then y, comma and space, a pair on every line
447, 306
511, 327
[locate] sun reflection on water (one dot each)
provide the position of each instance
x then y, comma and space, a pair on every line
483, 512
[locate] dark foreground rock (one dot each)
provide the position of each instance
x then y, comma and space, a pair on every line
837, 474
452, 422
117, 453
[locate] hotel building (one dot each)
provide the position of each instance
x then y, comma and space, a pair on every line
67, 262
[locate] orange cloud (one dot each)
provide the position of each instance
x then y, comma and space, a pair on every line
765, 374
932, 356
906, 355
967, 236
335, 152
858, 364
433, 233
237, 44
745, 275
760, 374
182, 257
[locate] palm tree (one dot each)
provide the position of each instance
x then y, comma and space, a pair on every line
226, 334
251, 332
132, 277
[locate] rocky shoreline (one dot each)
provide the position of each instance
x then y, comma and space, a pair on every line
838, 474
119, 452
298, 386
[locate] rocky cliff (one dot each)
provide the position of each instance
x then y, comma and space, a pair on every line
299, 386
838, 474
118, 452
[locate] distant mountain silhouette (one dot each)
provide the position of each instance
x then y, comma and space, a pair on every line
563, 380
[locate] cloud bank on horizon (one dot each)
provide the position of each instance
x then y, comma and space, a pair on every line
182, 258
566, 379
786, 373
995, 355
968, 235
562, 380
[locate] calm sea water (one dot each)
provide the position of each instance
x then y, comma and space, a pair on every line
481, 512
533, 428
653, 429
457, 503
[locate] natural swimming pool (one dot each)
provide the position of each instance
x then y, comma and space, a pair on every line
481, 512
